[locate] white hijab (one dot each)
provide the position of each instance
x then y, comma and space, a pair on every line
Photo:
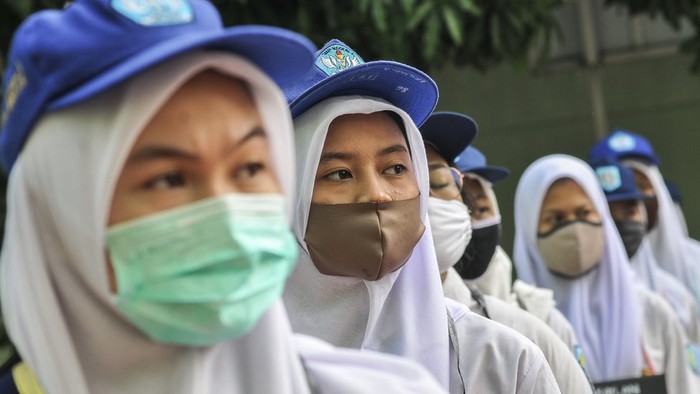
56, 300
602, 306
402, 313
659, 281
674, 251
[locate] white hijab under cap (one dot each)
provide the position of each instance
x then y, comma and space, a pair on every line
602, 306
55, 294
402, 313
674, 251
671, 289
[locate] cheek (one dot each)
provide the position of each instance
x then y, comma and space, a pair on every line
405, 189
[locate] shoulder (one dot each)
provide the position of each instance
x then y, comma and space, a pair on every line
341, 370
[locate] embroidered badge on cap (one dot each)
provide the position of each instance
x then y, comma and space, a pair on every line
622, 142
337, 58
609, 177
15, 86
155, 12
692, 351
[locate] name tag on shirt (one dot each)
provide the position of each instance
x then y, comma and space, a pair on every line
644, 385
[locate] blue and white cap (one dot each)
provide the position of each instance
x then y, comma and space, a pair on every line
472, 160
621, 144
340, 71
61, 57
616, 180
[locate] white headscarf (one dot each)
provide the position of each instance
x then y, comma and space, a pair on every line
602, 306
657, 280
674, 251
56, 300
402, 313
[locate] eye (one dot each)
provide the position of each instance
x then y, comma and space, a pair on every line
438, 186
584, 213
169, 180
249, 170
339, 175
396, 169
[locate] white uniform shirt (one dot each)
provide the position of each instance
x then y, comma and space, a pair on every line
664, 344
504, 360
568, 373
496, 282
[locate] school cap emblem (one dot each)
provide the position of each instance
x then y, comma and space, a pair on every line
155, 12
609, 177
337, 58
15, 86
622, 142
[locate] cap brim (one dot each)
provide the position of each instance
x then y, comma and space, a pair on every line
281, 54
449, 132
403, 86
492, 174
626, 196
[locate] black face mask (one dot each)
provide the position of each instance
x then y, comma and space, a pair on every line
477, 256
632, 233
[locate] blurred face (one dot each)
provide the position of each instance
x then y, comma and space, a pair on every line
482, 206
565, 201
207, 140
365, 158
445, 181
652, 205
627, 210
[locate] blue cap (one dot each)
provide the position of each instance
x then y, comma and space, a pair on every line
339, 71
61, 57
616, 180
449, 133
623, 144
472, 160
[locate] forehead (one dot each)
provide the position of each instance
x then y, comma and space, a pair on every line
474, 185
357, 131
565, 194
433, 156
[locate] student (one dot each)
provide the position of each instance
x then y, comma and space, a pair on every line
674, 251
367, 276
627, 210
445, 135
566, 240
148, 240
485, 266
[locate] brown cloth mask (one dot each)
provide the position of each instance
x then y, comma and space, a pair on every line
363, 240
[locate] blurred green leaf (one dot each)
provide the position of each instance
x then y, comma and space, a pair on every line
454, 26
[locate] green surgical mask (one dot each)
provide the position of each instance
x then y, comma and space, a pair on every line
205, 272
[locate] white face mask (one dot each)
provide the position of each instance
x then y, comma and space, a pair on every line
451, 226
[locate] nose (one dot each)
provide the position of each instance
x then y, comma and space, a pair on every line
215, 184
373, 189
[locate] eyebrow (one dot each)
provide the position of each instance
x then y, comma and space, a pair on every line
170, 152
436, 166
350, 156
392, 149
